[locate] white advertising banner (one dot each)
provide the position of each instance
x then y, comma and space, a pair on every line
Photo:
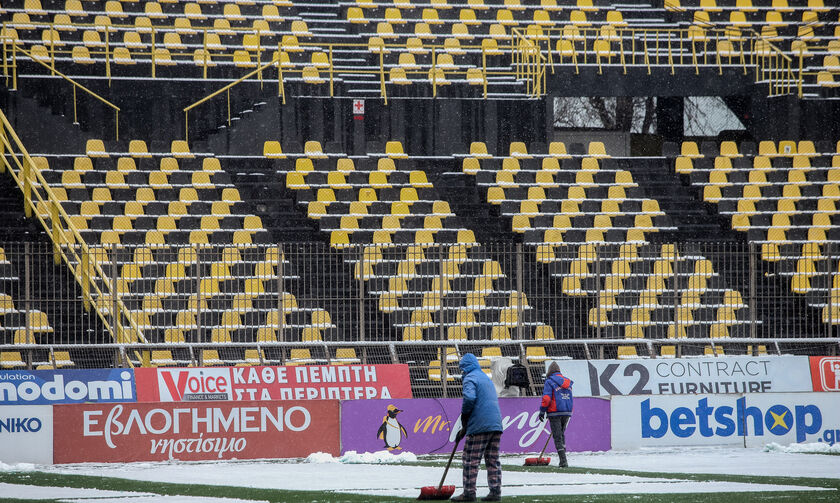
26, 434
751, 420
687, 376
793, 417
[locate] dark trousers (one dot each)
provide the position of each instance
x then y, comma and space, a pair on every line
558, 431
484, 445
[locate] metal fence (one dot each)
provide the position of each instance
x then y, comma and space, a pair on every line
416, 304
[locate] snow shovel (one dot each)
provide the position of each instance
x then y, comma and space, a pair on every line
441, 492
540, 461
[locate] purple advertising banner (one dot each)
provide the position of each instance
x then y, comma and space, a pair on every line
425, 425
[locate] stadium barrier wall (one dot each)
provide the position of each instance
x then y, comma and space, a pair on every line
430, 425
642, 414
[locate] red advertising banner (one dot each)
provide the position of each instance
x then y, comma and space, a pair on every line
825, 373
194, 432
305, 382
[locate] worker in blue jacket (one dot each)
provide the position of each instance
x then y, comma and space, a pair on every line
557, 401
481, 423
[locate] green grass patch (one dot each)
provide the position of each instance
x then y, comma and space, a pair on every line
315, 496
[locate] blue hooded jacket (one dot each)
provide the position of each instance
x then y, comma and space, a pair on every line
481, 404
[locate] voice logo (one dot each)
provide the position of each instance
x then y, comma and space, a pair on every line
190, 385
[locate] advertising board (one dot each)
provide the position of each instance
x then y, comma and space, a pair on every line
195, 431
678, 376
305, 382
750, 420
425, 426
825, 373
35, 387
26, 434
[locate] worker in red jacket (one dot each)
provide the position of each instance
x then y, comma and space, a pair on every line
557, 403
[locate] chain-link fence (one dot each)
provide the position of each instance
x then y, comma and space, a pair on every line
423, 305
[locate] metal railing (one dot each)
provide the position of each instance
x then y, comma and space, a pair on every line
226, 89
210, 55
803, 70
145, 52
309, 303
53, 71
671, 48
69, 246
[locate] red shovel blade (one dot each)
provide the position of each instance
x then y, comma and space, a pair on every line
537, 461
436, 493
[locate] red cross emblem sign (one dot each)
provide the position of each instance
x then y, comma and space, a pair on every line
358, 107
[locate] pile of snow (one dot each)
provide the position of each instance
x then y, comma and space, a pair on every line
17, 467
812, 448
353, 457
320, 457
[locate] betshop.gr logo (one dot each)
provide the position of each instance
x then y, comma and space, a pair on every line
725, 421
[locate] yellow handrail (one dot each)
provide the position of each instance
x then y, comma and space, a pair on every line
64, 234
778, 67
75, 85
228, 87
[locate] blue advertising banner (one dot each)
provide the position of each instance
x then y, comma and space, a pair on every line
35, 387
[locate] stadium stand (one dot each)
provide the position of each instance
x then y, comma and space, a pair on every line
305, 182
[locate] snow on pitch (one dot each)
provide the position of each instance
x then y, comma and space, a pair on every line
778, 461
74, 494
350, 474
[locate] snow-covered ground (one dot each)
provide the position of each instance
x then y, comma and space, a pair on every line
364, 473
773, 460
16, 491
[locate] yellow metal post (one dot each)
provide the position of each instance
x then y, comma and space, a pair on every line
280, 90
27, 187
621, 52
117, 125
228, 107
259, 58
86, 277
434, 73
331, 71
799, 80
550, 52
14, 66
670, 55
107, 56
206, 54
484, 69
75, 113
153, 52
3, 140
5, 54
52, 47
186, 125
57, 237
382, 90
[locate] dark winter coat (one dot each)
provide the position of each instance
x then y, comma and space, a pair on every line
480, 407
557, 397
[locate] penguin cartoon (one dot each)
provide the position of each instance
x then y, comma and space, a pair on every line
391, 431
